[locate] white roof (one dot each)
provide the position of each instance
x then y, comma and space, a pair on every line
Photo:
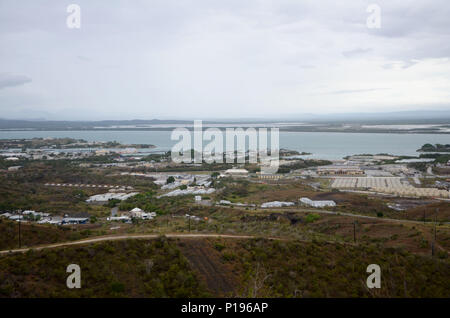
136, 210
236, 171
318, 202
276, 204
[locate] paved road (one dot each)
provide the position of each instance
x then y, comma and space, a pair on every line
130, 236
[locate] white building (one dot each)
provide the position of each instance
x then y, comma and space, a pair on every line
236, 172
14, 168
119, 218
69, 220
276, 204
136, 213
110, 195
140, 214
317, 204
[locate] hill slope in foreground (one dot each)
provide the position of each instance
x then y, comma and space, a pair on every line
222, 267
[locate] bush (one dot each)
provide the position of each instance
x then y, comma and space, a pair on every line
170, 179
215, 174
219, 246
112, 203
312, 217
117, 287
228, 257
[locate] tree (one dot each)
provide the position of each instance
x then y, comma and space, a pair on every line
215, 174
170, 179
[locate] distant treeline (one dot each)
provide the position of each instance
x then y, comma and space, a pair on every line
435, 148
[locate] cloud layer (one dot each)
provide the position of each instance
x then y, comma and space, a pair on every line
11, 80
212, 58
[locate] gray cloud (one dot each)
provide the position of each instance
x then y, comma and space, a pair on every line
356, 91
11, 80
356, 52
146, 59
400, 64
83, 58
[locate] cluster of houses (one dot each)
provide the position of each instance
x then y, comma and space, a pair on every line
135, 213
27, 215
48, 154
43, 218
179, 179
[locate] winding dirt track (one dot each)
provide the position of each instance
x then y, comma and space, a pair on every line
182, 235
125, 237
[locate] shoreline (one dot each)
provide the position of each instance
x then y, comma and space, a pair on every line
378, 131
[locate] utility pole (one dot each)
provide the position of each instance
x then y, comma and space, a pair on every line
20, 221
189, 219
434, 237
354, 231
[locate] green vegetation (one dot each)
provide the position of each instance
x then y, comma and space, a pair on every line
36, 234
215, 174
63, 143
302, 165
248, 268
435, 148
159, 268
170, 179
149, 202
131, 268
439, 157
311, 217
294, 269
421, 166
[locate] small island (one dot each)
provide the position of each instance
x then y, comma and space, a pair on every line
290, 153
435, 148
65, 143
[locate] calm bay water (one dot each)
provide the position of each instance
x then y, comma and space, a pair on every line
322, 145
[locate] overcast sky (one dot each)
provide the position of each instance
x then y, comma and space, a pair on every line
221, 58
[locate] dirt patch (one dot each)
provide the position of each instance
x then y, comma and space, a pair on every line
205, 260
